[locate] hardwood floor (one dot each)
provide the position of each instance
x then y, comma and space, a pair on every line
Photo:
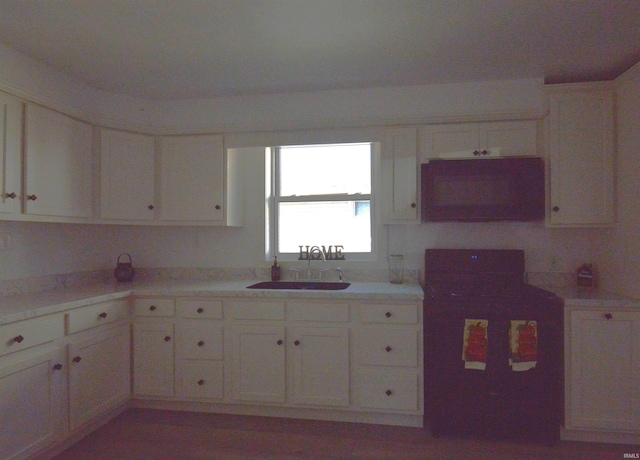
139, 434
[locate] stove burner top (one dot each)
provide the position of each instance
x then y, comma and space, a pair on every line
466, 285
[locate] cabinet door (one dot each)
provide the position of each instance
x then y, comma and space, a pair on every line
192, 187
127, 176
99, 374
457, 140
400, 170
258, 363
509, 138
32, 398
604, 382
321, 365
10, 152
581, 147
58, 153
153, 359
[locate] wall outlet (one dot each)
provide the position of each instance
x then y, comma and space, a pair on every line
5, 241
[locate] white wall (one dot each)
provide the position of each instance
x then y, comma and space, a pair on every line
46, 249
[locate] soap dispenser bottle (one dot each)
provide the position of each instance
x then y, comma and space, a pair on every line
275, 270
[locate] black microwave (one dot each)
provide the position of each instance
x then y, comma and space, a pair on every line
482, 190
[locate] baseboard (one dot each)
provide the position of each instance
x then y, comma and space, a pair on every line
610, 437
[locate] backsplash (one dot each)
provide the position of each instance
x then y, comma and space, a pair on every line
70, 280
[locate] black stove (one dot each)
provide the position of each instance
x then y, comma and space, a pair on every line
490, 397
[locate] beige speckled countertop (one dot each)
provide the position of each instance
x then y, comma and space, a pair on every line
576, 297
25, 306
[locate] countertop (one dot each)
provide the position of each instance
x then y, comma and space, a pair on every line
25, 306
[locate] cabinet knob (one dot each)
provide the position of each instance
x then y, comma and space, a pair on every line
218, 207
200, 343
388, 349
57, 367
279, 342
484, 152
18, 339
10, 195
152, 308
32, 197
388, 314
388, 392
413, 205
555, 209
167, 338
200, 382
476, 153
296, 343
150, 207
608, 316
200, 310
77, 359
103, 315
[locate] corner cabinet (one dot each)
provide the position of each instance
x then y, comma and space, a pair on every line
57, 164
603, 372
581, 155
400, 175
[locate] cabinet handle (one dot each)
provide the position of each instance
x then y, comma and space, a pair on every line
388, 392
388, 314
32, 197
484, 152
103, 315
555, 209
200, 382
10, 195
279, 342
413, 205
218, 207
150, 207
476, 153
608, 316
18, 339
199, 310
152, 308
200, 343
388, 349
296, 343
77, 359
167, 338
57, 367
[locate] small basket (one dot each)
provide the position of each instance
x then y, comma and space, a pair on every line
124, 271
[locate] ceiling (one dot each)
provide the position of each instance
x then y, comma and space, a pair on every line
178, 49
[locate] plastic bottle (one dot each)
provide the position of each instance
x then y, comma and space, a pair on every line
275, 270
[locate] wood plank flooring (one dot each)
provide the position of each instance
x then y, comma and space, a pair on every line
140, 434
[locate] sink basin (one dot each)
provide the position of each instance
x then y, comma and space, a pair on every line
301, 285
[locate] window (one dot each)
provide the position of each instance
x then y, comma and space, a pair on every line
322, 196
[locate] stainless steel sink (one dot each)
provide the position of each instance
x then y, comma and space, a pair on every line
301, 285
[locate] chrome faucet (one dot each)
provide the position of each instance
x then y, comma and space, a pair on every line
313, 249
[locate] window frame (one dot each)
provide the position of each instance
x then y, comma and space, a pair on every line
275, 199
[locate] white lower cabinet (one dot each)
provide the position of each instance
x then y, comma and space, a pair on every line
153, 359
99, 374
603, 370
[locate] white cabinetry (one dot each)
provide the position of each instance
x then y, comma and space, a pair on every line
127, 173
58, 155
479, 140
581, 155
400, 174
153, 347
32, 386
10, 154
603, 370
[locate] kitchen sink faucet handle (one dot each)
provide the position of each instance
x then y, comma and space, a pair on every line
340, 276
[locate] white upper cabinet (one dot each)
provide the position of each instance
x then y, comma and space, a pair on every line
127, 174
399, 174
10, 153
192, 179
581, 155
58, 155
481, 140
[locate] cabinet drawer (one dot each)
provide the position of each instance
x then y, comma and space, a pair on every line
201, 341
257, 310
318, 311
389, 313
379, 390
202, 381
382, 347
154, 307
96, 315
191, 308
25, 334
